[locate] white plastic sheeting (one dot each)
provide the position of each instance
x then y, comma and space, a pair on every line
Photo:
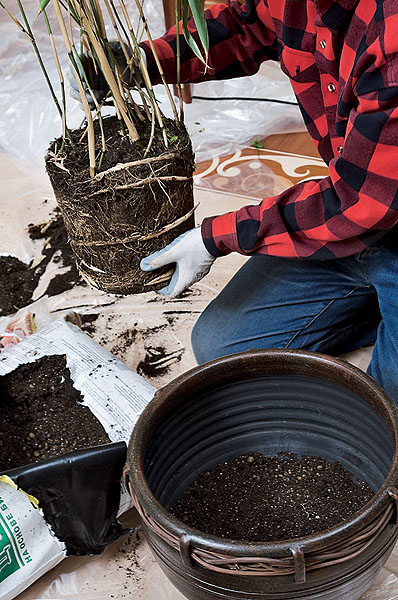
29, 119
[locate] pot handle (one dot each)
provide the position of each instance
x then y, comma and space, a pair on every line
393, 493
127, 482
299, 564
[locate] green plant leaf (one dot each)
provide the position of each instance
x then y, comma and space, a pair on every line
201, 26
43, 4
257, 143
198, 14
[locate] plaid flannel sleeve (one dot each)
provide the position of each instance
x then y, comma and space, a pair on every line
241, 37
339, 215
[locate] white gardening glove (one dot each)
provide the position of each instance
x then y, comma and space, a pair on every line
190, 256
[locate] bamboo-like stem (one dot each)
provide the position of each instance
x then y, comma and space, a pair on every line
178, 52
17, 23
36, 49
121, 24
156, 57
96, 21
101, 124
143, 69
110, 79
134, 104
90, 124
129, 61
100, 21
122, 43
60, 75
73, 13
152, 135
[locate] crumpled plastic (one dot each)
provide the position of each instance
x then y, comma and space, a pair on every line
29, 119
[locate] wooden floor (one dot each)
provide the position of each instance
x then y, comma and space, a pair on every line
297, 143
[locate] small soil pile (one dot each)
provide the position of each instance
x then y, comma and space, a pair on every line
88, 323
158, 361
19, 280
41, 415
18, 283
257, 498
56, 240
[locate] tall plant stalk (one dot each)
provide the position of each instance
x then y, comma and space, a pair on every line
29, 33
87, 19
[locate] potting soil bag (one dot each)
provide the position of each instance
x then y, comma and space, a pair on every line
28, 548
81, 493
114, 393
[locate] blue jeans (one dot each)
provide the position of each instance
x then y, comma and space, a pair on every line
328, 306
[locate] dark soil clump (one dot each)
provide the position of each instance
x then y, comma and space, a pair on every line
257, 498
18, 283
20, 280
42, 416
140, 200
56, 240
88, 323
157, 362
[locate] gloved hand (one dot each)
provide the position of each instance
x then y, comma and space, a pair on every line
191, 257
97, 80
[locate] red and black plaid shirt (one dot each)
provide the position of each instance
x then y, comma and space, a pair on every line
342, 60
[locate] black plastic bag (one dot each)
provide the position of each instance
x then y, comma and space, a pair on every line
79, 494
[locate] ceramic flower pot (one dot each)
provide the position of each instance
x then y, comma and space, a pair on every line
267, 401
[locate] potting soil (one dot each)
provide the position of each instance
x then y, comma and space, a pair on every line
18, 283
131, 207
259, 499
20, 280
56, 240
42, 416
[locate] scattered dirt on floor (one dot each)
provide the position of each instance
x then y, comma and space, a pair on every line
150, 351
42, 416
258, 498
18, 283
56, 240
123, 342
19, 280
158, 361
88, 323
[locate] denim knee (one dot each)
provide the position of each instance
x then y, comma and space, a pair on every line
203, 340
215, 334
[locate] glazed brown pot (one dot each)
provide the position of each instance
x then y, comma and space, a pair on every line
267, 401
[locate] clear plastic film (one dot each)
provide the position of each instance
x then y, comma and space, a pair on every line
29, 119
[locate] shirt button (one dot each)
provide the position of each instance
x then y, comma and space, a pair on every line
340, 149
322, 44
331, 87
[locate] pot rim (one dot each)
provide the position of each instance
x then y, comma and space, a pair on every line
147, 502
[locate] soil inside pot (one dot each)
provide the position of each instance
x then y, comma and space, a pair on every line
42, 416
270, 498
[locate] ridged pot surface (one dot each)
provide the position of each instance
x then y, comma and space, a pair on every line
267, 401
